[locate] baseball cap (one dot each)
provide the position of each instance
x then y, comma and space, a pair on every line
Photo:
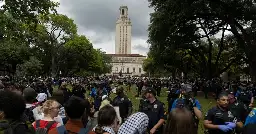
151, 90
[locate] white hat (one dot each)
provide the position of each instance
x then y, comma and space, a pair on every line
104, 97
41, 97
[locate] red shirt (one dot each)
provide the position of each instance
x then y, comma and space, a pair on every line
43, 124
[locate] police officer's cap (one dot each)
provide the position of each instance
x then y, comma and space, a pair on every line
151, 90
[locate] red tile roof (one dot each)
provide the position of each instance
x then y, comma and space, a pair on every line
126, 55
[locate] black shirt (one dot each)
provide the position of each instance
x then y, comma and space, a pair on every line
124, 104
239, 110
219, 117
154, 111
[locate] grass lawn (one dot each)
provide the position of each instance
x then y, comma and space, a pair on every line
205, 103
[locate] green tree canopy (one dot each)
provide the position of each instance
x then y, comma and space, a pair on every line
197, 29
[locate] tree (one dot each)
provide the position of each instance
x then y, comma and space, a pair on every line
79, 56
27, 10
54, 31
193, 25
106, 60
16, 19
32, 67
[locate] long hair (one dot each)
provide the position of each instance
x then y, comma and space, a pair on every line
180, 121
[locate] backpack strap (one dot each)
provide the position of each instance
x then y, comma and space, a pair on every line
49, 124
37, 123
61, 129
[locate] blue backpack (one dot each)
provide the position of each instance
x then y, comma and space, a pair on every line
62, 130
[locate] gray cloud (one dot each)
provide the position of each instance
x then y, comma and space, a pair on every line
141, 48
100, 16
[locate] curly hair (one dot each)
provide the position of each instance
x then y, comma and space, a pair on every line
12, 104
48, 105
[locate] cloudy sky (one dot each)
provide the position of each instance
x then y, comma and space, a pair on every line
96, 20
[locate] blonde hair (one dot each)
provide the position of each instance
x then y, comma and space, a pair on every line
48, 105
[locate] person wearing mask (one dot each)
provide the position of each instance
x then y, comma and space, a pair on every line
180, 121
12, 120
74, 108
123, 102
219, 119
154, 109
190, 103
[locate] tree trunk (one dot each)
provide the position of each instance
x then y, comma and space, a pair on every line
53, 67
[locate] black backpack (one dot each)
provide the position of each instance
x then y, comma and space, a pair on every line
29, 114
43, 130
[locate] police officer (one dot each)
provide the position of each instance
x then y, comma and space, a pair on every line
123, 102
251, 118
238, 108
189, 102
158, 87
219, 119
78, 90
173, 94
155, 111
245, 96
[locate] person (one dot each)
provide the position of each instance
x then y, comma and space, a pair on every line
180, 121
78, 90
246, 96
123, 102
239, 109
140, 84
190, 103
154, 109
66, 92
107, 121
12, 107
29, 95
135, 124
74, 108
251, 118
219, 119
98, 97
50, 110
173, 94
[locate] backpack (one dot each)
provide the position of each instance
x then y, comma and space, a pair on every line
62, 130
9, 128
29, 113
43, 130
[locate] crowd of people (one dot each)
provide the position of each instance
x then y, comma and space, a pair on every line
83, 106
